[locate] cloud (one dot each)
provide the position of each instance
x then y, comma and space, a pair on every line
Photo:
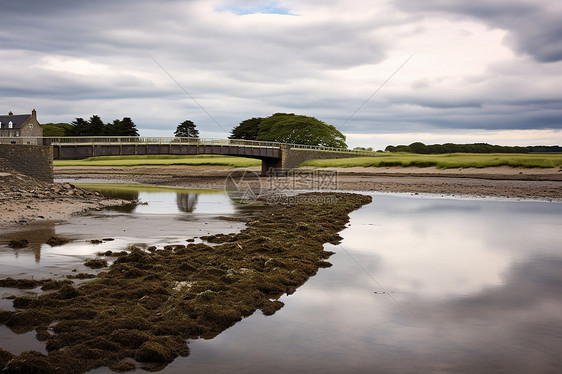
253, 58
260, 7
534, 25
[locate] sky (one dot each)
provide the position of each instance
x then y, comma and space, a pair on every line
381, 71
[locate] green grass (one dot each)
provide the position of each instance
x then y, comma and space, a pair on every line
139, 187
161, 160
446, 161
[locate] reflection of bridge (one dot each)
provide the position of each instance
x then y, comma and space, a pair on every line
272, 154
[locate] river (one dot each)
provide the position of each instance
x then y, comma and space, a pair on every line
419, 284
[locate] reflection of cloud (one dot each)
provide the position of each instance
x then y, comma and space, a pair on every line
530, 285
517, 325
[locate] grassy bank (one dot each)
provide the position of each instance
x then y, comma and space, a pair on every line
161, 160
445, 161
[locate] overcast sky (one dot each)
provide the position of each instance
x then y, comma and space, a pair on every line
455, 71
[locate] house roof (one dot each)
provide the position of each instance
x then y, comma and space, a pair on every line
17, 121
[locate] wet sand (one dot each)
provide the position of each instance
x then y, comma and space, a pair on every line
24, 199
533, 183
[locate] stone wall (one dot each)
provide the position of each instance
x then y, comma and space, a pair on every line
33, 160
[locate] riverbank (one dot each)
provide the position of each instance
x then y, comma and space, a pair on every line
532, 183
141, 310
24, 199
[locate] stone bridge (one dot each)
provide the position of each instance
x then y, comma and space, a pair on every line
272, 154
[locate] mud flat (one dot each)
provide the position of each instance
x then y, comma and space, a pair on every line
526, 183
142, 309
24, 199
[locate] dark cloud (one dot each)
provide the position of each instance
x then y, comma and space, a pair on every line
241, 66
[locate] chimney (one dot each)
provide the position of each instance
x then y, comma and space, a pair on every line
34, 114
10, 114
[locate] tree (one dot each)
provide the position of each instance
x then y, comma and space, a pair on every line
186, 129
56, 129
299, 129
96, 126
80, 127
248, 129
419, 147
125, 127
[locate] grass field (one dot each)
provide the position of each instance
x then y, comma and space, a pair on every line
139, 187
446, 161
161, 160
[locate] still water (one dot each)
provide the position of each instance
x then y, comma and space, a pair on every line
419, 285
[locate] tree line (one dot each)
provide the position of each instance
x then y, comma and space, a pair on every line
92, 127
421, 148
279, 127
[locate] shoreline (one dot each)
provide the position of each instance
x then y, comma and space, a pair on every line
505, 182
24, 199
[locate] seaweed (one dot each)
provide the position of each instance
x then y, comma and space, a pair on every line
16, 244
144, 308
55, 241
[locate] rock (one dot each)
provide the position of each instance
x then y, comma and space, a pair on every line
22, 243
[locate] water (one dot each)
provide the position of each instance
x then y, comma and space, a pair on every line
419, 285
473, 286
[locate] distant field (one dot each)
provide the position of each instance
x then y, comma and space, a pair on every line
161, 160
446, 161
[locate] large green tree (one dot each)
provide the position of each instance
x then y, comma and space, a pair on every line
248, 129
186, 129
299, 129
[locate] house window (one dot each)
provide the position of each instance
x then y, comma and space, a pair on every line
10, 125
17, 133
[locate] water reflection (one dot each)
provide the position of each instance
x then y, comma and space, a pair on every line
36, 235
476, 287
186, 202
480, 282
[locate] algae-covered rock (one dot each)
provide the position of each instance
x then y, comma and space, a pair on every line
16, 244
55, 241
29, 363
96, 263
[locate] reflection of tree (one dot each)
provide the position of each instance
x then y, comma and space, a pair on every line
36, 235
121, 194
186, 201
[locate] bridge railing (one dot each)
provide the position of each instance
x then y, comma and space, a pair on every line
114, 140
329, 149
